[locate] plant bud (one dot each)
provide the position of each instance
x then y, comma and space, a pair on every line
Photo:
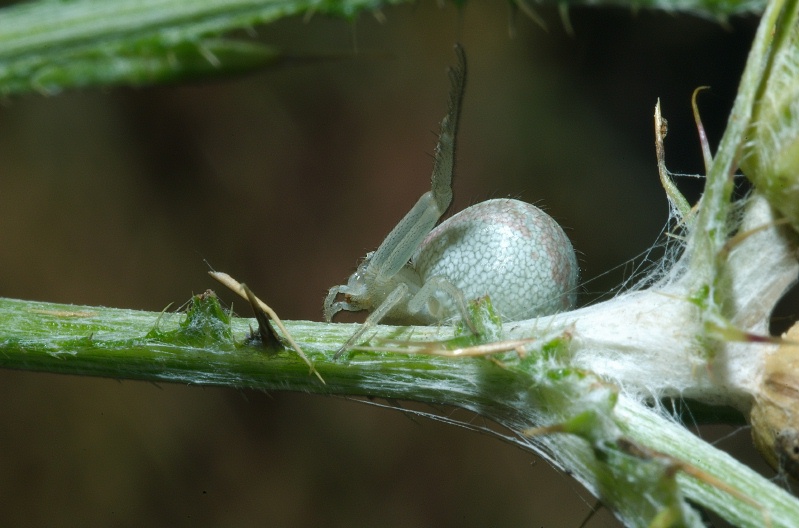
771, 154
775, 413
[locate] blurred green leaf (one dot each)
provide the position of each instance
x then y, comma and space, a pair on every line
49, 46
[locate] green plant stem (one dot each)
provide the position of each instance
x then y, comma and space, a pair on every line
131, 344
713, 217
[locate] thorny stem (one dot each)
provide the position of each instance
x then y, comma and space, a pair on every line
201, 349
714, 213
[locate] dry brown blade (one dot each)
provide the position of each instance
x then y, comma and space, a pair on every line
236, 287
674, 195
740, 237
473, 351
707, 155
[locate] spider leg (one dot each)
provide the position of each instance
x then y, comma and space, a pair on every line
445, 150
331, 307
400, 244
434, 285
383, 269
399, 294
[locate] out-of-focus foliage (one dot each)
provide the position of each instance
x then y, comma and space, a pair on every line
50, 46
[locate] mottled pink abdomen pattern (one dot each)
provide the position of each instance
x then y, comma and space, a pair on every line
508, 249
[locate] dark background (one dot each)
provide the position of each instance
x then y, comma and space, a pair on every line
284, 178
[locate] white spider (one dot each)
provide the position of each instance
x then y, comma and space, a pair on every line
506, 249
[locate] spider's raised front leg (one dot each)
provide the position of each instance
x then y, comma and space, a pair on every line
385, 281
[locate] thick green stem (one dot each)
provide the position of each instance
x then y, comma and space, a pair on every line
149, 346
206, 347
705, 247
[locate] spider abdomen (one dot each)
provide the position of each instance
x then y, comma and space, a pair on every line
508, 249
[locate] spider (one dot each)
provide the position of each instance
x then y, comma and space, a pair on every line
422, 274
